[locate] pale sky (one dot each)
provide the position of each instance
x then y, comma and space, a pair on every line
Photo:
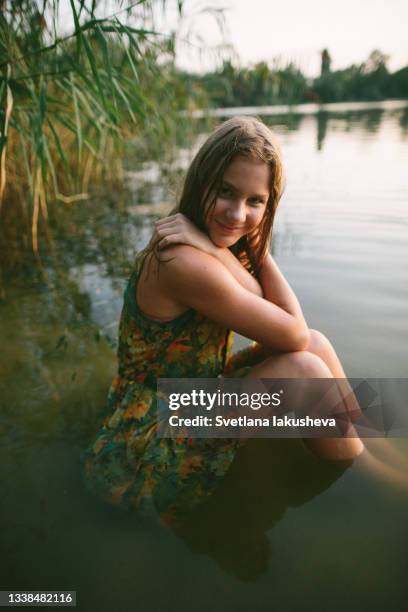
298, 29
292, 30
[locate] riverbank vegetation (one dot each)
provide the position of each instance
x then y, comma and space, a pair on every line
75, 87
278, 83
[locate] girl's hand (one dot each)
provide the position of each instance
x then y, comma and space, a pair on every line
178, 229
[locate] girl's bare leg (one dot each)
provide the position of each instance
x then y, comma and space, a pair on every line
304, 364
379, 451
319, 345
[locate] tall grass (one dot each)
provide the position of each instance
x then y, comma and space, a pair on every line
72, 95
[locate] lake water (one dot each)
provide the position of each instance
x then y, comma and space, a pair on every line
286, 532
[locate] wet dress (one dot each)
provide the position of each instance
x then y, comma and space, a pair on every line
127, 464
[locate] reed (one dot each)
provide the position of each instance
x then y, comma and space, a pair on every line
71, 97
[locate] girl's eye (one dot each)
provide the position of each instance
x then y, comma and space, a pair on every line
255, 201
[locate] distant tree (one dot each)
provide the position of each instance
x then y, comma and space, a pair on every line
377, 60
367, 81
326, 61
398, 83
375, 78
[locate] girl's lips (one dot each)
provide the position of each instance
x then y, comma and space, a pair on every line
225, 228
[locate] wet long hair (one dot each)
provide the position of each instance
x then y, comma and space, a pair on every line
237, 137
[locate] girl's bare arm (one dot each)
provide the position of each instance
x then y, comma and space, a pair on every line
241, 274
276, 288
199, 281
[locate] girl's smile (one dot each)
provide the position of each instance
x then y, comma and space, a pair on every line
241, 202
226, 228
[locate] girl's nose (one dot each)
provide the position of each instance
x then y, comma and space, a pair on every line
237, 212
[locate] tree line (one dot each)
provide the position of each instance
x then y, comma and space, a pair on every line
264, 84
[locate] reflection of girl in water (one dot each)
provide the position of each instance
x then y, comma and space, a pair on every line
267, 478
208, 271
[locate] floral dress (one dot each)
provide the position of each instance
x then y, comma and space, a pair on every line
127, 464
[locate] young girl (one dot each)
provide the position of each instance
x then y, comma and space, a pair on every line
206, 271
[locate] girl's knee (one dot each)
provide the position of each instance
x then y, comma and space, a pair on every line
318, 342
298, 364
307, 365
318, 339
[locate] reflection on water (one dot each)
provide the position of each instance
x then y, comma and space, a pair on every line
297, 530
266, 479
322, 120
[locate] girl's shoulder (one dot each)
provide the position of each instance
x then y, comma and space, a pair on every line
178, 253
181, 256
151, 295
186, 271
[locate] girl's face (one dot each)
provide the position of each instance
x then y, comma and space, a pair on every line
241, 203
